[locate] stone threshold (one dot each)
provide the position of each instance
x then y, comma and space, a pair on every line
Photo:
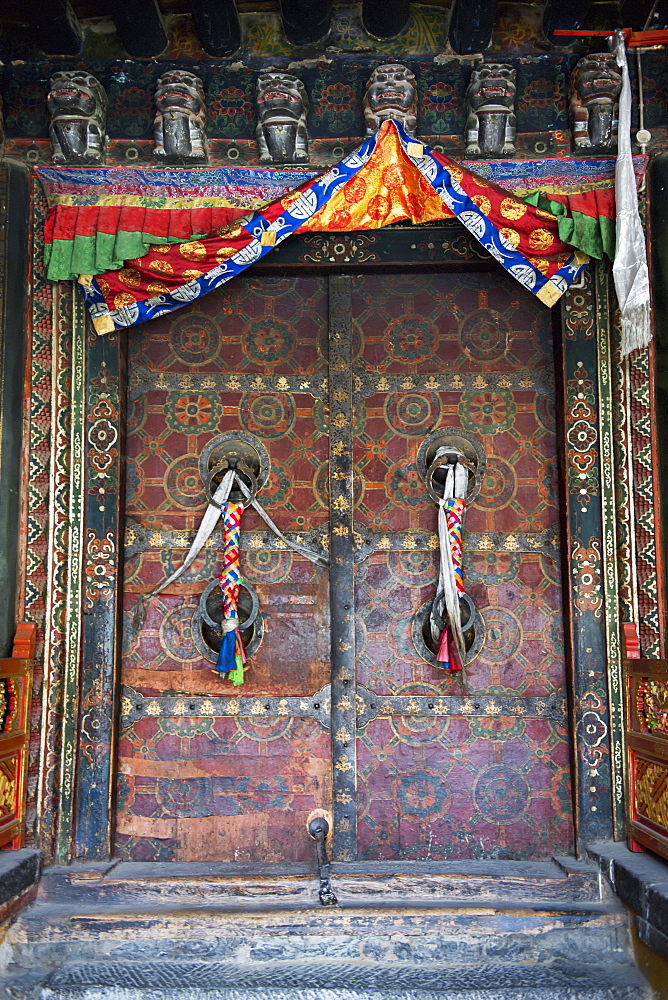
640, 880
552, 868
20, 873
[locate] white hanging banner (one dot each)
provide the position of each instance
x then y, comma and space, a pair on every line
630, 266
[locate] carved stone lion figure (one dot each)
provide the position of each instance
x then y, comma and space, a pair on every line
490, 106
77, 104
391, 92
282, 106
180, 121
594, 102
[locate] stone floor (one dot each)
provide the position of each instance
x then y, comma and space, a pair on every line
478, 931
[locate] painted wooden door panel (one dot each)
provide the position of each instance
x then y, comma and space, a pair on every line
472, 352
442, 766
202, 787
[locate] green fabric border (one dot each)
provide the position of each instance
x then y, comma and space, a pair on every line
67, 259
594, 236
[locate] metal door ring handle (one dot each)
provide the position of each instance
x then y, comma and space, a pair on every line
239, 471
442, 463
466, 606
246, 624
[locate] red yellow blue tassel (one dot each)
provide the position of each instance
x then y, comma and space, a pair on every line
448, 655
231, 657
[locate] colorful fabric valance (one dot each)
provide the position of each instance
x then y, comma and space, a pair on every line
99, 218
581, 193
391, 177
126, 219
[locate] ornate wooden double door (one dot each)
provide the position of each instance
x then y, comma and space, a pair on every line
340, 378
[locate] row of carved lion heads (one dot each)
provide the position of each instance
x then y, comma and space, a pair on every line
78, 105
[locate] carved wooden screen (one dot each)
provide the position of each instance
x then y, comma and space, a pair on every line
15, 692
334, 374
647, 738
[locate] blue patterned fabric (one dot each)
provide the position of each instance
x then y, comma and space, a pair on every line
267, 229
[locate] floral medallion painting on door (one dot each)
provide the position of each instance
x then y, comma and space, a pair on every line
470, 352
194, 783
448, 766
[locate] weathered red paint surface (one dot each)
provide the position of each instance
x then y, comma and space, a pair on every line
225, 788
460, 787
240, 789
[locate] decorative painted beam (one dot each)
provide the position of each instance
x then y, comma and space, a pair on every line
97, 493
567, 15
590, 624
385, 18
60, 33
217, 26
369, 706
140, 27
471, 25
367, 384
305, 21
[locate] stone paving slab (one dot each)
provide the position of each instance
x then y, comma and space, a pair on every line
303, 981
547, 993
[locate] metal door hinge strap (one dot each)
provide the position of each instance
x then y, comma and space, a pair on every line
342, 570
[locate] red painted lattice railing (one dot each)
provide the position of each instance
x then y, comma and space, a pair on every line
647, 742
15, 691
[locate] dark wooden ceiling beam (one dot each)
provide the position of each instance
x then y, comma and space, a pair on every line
567, 15
217, 26
635, 14
140, 27
471, 25
58, 28
305, 21
385, 18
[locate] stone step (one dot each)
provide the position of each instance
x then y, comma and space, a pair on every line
401, 931
169, 980
527, 932
560, 880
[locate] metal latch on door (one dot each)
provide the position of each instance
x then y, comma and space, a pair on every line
319, 825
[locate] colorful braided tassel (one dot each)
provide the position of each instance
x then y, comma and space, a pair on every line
231, 657
454, 513
448, 655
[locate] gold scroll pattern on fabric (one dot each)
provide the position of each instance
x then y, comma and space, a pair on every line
390, 189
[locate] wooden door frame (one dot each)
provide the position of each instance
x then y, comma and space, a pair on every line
81, 684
